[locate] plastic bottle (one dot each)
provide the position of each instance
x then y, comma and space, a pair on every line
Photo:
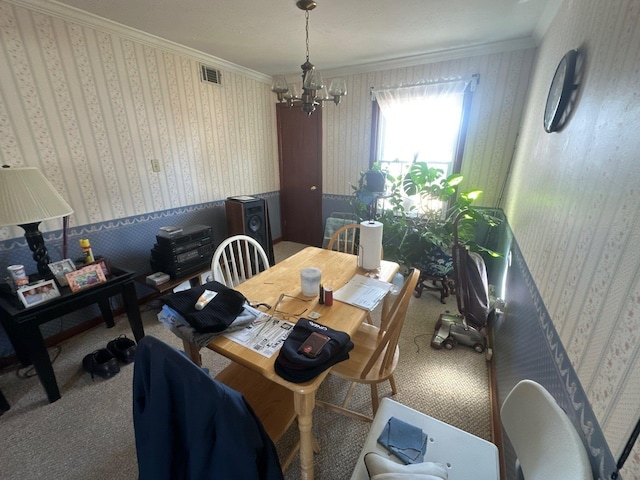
396, 284
86, 250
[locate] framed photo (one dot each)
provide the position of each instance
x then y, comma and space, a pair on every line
37, 293
59, 269
85, 277
104, 265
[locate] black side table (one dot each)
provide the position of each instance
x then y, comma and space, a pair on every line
22, 324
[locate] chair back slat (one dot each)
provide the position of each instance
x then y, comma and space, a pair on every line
237, 259
345, 239
391, 326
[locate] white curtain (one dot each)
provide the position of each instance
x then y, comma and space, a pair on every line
422, 120
422, 94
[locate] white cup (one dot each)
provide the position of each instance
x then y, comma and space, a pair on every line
18, 275
310, 280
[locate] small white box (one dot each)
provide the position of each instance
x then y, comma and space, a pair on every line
157, 278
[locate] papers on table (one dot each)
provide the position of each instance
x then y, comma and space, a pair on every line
363, 292
265, 335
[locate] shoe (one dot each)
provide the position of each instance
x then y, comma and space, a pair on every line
101, 363
123, 348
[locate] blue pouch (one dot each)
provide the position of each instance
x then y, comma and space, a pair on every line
405, 441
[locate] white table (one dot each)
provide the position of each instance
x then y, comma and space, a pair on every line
465, 455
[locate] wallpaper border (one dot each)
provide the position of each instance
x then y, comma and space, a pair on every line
563, 383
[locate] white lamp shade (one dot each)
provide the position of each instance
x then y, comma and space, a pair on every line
293, 93
26, 196
313, 80
338, 87
279, 84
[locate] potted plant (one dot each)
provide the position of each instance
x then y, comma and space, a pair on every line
418, 213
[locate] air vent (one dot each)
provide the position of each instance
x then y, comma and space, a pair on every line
211, 75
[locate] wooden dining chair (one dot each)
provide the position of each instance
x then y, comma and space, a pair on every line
272, 403
345, 239
237, 259
375, 355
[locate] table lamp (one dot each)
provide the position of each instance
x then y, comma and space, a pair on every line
26, 199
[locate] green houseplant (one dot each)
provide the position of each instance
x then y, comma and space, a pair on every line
412, 232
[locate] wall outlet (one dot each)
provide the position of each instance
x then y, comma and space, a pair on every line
155, 165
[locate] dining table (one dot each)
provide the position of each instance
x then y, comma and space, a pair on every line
337, 269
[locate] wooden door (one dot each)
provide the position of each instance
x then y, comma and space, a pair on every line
300, 149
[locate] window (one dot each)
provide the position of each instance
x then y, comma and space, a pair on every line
424, 123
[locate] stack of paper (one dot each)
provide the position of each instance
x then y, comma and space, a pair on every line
363, 292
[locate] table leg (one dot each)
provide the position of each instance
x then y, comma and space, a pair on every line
386, 305
304, 404
107, 314
40, 358
133, 310
193, 352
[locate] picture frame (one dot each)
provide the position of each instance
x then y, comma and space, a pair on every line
85, 277
102, 262
60, 269
36, 293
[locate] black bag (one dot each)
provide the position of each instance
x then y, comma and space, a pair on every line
217, 315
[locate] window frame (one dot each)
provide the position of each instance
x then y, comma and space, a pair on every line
462, 132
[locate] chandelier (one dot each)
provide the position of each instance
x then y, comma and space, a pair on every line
314, 92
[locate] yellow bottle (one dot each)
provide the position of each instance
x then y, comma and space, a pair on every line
86, 249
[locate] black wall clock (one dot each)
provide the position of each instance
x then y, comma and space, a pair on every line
560, 92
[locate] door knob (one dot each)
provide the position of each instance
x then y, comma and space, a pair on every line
313, 187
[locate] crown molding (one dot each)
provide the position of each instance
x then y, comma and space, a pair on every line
66, 12
433, 57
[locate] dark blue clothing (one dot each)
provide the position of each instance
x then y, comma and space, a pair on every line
190, 426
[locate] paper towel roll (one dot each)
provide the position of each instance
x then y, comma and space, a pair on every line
370, 244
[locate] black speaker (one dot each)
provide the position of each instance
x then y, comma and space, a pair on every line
248, 216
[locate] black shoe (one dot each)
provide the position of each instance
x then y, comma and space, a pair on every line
101, 363
123, 348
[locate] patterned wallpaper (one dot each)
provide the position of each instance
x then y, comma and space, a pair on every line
92, 109
495, 117
574, 205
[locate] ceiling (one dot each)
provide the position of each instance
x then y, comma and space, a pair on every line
268, 36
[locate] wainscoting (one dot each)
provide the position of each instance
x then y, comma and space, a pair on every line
527, 345
126, 243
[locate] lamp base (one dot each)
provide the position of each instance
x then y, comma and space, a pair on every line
36, 244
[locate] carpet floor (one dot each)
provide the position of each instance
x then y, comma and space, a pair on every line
89, 433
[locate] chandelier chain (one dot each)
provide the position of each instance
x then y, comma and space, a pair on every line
306, 14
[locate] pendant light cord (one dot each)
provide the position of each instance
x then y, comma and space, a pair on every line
306, 16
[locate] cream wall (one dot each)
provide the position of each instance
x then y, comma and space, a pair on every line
574, 205
91, 108
495, 118
92, 103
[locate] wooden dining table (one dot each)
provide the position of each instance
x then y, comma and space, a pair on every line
284, 277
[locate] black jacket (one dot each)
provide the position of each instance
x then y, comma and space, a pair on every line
190, 426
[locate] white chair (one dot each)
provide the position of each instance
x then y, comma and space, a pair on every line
237, 259
465, 455
543, 437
